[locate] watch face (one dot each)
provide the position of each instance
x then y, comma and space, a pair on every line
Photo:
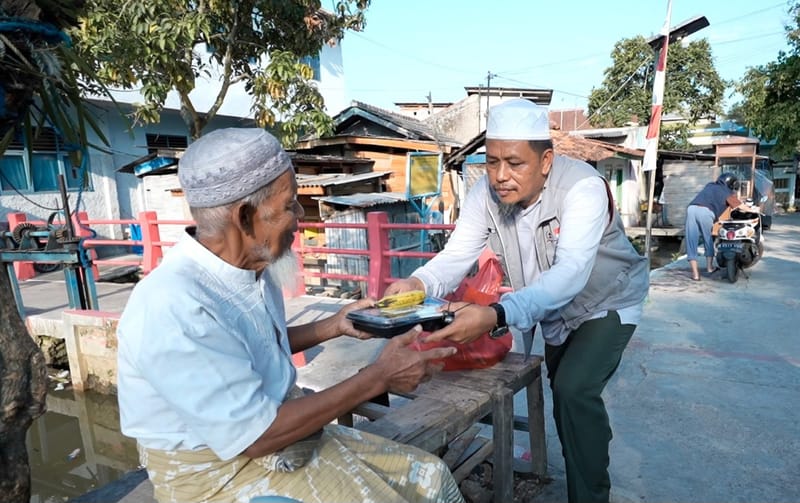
498, 332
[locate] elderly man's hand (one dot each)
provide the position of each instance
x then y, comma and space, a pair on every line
404, 368
404, 285
345, 326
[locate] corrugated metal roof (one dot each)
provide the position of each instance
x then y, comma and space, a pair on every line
403, 125
328, 179
303, 158
365, 200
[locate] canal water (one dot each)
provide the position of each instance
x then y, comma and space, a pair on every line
77, 445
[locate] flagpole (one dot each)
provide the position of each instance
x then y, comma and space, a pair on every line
654, 128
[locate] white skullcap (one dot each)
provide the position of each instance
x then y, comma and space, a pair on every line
228, 164
518, 119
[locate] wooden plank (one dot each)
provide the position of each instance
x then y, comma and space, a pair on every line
424, 422
457, 447
464, 398
536, 435
311, 191
503, 438
479, 456
372, 411
513, 372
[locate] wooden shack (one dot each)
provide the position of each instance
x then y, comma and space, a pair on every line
386, 138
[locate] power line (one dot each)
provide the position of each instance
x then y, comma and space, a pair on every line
539, 86
748, 14
415, 58
754, 37
730, 20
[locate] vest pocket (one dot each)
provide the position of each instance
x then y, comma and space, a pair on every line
548, 242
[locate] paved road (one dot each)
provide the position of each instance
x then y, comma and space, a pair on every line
705, 404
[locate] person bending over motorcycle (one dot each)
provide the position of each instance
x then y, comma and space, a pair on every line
703, 211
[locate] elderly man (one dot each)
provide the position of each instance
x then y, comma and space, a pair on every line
552, 222
206, 382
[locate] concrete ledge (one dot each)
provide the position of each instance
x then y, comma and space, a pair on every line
42, 325
91, 340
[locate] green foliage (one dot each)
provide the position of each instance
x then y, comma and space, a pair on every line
771, 94
693, 87
168, 45
675, 137
44, 79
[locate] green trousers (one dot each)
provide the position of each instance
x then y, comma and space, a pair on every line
578, 371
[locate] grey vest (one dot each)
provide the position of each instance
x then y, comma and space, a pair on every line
620, 276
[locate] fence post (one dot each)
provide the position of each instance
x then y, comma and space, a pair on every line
300, 285
83, 231
152, 252
380, 266
23, 270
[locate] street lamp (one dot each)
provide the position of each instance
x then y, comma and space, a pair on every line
661, 43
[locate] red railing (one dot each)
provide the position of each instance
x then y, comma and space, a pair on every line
378, 251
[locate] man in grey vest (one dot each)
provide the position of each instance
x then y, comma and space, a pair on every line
552, 223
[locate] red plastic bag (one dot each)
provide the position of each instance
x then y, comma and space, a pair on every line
483, 352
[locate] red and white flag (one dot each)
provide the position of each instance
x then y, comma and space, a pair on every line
651, 148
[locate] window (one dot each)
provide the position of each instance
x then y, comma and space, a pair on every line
38, 172
313, 62
156, 142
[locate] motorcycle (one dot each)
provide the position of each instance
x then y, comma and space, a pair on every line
739, 240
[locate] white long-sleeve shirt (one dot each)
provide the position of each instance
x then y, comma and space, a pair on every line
583, 221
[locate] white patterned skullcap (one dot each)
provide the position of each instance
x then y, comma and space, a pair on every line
228, 164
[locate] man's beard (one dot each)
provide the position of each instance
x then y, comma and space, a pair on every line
285, 271
508, 210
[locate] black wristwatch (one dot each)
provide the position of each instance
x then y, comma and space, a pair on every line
501, 328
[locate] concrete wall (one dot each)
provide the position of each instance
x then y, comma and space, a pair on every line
331, 81
112, 195
116, 195
463, 120
682, 181
622, 176
91, 340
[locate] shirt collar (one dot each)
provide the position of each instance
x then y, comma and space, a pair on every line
213, 263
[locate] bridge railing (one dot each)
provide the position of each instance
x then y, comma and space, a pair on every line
378, 252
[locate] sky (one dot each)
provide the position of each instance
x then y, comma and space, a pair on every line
411, 48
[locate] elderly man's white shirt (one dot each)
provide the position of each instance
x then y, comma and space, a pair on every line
204, 357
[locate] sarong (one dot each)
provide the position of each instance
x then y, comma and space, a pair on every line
349, 466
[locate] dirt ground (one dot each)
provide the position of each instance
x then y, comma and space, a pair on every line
477, 487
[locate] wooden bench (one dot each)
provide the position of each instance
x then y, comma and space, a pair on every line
440, 416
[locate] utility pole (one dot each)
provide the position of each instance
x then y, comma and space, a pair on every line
489, 77
479, 108
653, 130
661, 45
430, 104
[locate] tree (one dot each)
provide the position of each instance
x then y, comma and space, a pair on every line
770, 93
693, 87
38, 83
167, 45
